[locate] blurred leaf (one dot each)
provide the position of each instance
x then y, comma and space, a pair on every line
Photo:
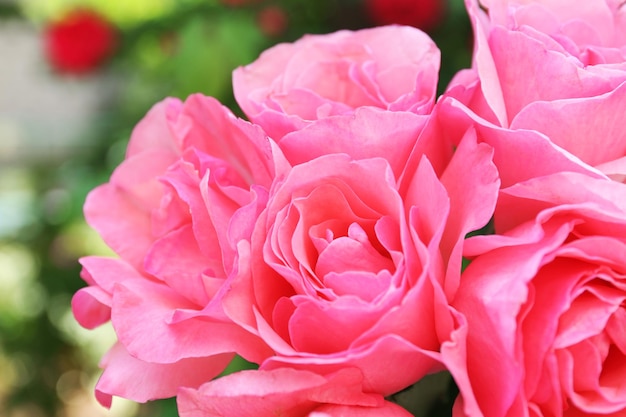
210, 48
457, 7
454, 39
121, 12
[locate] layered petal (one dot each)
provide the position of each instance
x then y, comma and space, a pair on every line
547, 72
281, 391
550, 292
318, 76
193, 183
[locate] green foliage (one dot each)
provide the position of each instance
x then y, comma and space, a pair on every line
238, 364
210, 48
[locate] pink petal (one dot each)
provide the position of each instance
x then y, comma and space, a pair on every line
107, 272
136, 178
576, 124
518, 154
492, 292
321, 327
419, 303
208, 126
389, 365
518, 53
368, 133
91, 307
281, 391
143, 315
388, 409
124, 227
154, 131
491, 83
472, 182
428, 204
184, 179
128, 377
365, 285
566, 191
177, 260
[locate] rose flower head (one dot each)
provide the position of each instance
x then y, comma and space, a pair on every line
194, 180
544, 300
351, 261
293, 84
552, 69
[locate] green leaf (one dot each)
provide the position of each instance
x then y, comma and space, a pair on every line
238, 364
210, 48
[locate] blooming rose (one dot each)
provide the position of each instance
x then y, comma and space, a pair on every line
286, 392
351, 258
290, 85
554, 69
79, 42
545, 303
193, 183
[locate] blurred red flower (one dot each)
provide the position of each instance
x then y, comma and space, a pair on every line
272, 21
79, 42
422, 14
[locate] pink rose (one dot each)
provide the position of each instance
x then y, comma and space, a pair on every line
351, 260
286, 392
555, 69
194, 180
543, 304
318, 76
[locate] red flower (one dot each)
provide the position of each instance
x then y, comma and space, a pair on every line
272, 21
80, 42
423, 14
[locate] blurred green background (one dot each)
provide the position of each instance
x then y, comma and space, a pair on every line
61, 134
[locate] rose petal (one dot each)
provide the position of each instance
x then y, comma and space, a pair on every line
128, 377
367, 133
277, 392
571, 123
143, 317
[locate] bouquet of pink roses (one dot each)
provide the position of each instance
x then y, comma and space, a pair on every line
326, 239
